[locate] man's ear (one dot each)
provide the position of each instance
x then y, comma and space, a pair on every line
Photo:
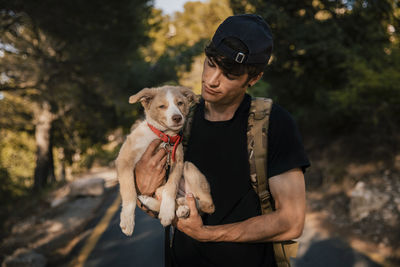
189, 94
144, 97
254, 80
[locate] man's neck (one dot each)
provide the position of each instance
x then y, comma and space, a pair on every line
221, 112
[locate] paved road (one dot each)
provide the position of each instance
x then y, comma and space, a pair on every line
114, 249
145, 248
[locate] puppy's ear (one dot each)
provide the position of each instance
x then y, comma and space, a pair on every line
144, 97
189, 94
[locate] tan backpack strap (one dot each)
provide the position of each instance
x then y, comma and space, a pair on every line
257, 138
284, 251
188, 126
257, 147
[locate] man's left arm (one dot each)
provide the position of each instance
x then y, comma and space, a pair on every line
285, 223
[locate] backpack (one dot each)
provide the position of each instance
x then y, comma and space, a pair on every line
257, 131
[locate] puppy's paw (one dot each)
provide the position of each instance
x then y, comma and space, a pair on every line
167, 211
206, 207
183, 211
127, 222
181, 201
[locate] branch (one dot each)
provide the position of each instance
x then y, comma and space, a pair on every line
62, 111
5, 87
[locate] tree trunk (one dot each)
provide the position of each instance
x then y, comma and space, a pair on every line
61, 158
43, 120
51, 176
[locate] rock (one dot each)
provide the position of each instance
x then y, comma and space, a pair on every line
24, 257
397, 201
364, 200
58, 201
59, 196
87, 187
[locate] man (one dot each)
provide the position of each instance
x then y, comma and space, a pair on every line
236, 234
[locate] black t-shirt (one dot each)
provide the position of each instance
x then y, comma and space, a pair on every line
219, 150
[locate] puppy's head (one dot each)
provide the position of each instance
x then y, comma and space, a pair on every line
166, 107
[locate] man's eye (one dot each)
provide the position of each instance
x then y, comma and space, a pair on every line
230, 76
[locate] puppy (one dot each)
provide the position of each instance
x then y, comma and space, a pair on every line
165, 109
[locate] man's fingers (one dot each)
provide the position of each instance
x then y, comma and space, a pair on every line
191, 203
159, 155
163, 161
151, 148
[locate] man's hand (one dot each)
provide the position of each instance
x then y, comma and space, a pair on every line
193, 225
150, 169
285, 223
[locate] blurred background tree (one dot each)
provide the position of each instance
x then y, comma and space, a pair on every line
178, 41
71, 62
335, 66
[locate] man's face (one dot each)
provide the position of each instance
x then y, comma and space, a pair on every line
219, 87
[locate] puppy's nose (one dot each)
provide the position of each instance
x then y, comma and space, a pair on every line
177, 118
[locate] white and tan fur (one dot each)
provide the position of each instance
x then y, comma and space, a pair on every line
166, 109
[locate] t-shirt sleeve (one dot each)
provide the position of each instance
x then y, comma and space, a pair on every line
285, 146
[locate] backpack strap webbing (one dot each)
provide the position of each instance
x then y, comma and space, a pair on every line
257, 138
257, 131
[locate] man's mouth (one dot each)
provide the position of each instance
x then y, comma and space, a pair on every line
210, 91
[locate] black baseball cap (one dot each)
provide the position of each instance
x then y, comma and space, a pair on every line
253, 31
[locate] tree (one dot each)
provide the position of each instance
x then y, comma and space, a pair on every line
334, 65
178, 42
71, 60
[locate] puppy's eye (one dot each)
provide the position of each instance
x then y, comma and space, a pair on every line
161, 107
180, 103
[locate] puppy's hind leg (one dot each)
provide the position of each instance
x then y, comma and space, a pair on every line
167, 208
199, 186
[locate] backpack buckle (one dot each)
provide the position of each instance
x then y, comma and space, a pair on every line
264, 197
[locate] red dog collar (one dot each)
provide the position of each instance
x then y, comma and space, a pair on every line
170, 140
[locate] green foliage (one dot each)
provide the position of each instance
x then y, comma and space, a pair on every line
178, 41
17, 157
71, 61
99, 155
260, 89
335, 65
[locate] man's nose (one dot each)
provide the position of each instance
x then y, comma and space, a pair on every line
214, 78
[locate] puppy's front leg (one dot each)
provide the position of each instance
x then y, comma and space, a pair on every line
124, 168
167, 208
